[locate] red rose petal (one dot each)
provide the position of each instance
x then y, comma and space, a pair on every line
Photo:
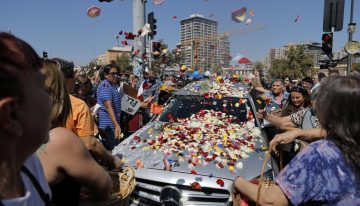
195, 186
220, 182
193, 172
208, 159
151, 142
137, 138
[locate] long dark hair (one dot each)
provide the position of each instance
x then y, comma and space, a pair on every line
289, 107
338, 113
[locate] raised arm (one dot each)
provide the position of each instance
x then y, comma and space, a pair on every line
66, 155
276, 120
261, 89
308, 135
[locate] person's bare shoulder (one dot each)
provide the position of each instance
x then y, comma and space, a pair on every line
66, 147
64, 139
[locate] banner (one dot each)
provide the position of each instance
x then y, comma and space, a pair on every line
129, 104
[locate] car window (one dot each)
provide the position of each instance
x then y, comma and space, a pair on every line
183, 106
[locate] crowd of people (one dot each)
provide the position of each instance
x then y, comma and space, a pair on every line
58, 127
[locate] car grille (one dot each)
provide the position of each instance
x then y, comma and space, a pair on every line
147, 192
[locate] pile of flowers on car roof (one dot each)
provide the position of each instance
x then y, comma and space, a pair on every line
216, 88
206, 137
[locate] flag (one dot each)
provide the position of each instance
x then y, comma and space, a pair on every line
239, 15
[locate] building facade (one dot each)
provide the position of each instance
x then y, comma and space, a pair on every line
314, 50
112, 54
201, 44
225, 57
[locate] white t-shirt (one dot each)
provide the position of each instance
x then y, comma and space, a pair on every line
31, 197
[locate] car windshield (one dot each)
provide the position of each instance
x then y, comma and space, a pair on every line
183, 106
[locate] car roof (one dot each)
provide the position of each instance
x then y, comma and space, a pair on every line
205, 86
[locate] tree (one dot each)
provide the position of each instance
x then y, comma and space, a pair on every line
92, 64
259, 66
175, 57
356, 67
301, 62
159, 62
259, 70
123, 63
216, 69
297, 64
91, 67
279, 67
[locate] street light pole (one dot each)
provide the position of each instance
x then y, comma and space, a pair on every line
138, 7
351, 30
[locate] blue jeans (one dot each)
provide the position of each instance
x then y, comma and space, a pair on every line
108, 138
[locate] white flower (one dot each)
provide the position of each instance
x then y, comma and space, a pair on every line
239, 165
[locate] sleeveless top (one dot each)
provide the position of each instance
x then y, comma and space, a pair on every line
44, 196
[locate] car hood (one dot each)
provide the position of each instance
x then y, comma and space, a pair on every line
135, 153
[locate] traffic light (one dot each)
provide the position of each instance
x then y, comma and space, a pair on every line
152, 23
45, 54
327, 42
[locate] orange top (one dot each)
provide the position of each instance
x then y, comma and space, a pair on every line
80, 120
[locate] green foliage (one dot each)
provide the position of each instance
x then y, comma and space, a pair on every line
123, 63
279, 67
259, 66
90, 67
175, 57
92, 64
169, 59
216, 69
356, 66
296, 65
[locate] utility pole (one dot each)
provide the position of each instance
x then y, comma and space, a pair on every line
138, 23
351, 30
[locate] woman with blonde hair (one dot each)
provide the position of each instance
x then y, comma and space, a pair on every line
67, 163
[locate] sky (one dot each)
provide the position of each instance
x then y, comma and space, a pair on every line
63, 29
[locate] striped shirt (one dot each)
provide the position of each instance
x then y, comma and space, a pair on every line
106, 91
